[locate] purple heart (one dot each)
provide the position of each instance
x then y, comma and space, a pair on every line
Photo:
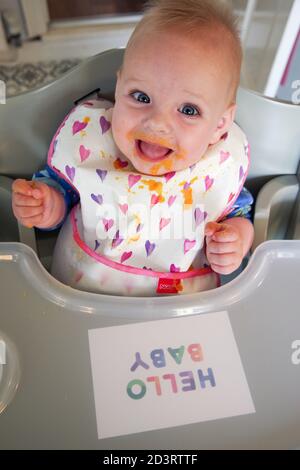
241, 175
104, 124
186, 186
97, 198
139, 228
102, 174
117, 240
199, 216
70, 172
149, 247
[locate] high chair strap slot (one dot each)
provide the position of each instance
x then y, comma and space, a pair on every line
89, 95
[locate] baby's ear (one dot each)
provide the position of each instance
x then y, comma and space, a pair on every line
224, 124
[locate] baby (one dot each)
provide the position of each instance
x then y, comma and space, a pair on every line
168, 142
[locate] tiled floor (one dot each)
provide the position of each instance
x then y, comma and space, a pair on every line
27, 76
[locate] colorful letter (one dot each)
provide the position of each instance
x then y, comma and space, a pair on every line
189, 381
177, 354
158, 358
136, 396
195, 352
155, 379
172, 379
209, 377
138, 362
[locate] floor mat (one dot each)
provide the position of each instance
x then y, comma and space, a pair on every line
28, 76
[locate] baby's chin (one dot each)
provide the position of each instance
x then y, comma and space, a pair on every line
153, 168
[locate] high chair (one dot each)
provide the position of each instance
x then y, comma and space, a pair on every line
47, 398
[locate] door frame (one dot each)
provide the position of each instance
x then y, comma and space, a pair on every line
36, 17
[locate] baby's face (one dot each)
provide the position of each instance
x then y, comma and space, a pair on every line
172, 102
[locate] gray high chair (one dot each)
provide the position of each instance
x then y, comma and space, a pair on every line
46, 385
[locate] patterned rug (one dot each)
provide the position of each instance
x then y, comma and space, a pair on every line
28, 76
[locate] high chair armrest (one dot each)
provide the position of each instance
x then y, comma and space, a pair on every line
273, 208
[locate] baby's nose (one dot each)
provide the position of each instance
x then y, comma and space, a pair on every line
158, 124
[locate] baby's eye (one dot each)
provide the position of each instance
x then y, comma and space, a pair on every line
140, 96
189, 110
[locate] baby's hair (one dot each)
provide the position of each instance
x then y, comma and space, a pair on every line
191, 17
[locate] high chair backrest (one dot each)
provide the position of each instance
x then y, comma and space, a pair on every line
273, 131
28, 122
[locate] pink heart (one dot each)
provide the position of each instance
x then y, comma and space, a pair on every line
84, 153
163, 223
133, 179
224, 136
224, 156
108, 223
124, 208
189, 245
118, 163
208, 182
154, 200
126, 255
169, 175
199, 216
104, 124
171, 200
78, 126
174, 269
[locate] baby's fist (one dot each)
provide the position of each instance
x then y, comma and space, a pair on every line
32, 203
224, 247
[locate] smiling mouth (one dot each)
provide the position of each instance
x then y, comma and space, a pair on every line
151, 152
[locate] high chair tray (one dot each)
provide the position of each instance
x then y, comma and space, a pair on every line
49, 400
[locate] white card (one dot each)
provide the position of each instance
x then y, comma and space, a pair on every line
165, 373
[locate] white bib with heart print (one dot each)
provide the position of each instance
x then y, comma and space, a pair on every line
134, 234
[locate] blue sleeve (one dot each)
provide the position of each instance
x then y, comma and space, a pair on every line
242, 206
49, 177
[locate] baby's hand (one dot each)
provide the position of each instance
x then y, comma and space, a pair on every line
36, 204
224, 247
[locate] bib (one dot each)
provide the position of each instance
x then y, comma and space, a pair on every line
135, 234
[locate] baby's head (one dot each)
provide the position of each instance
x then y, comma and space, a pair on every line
176, 89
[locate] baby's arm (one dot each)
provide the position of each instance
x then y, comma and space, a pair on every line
37, 204
228, 242
58, 194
